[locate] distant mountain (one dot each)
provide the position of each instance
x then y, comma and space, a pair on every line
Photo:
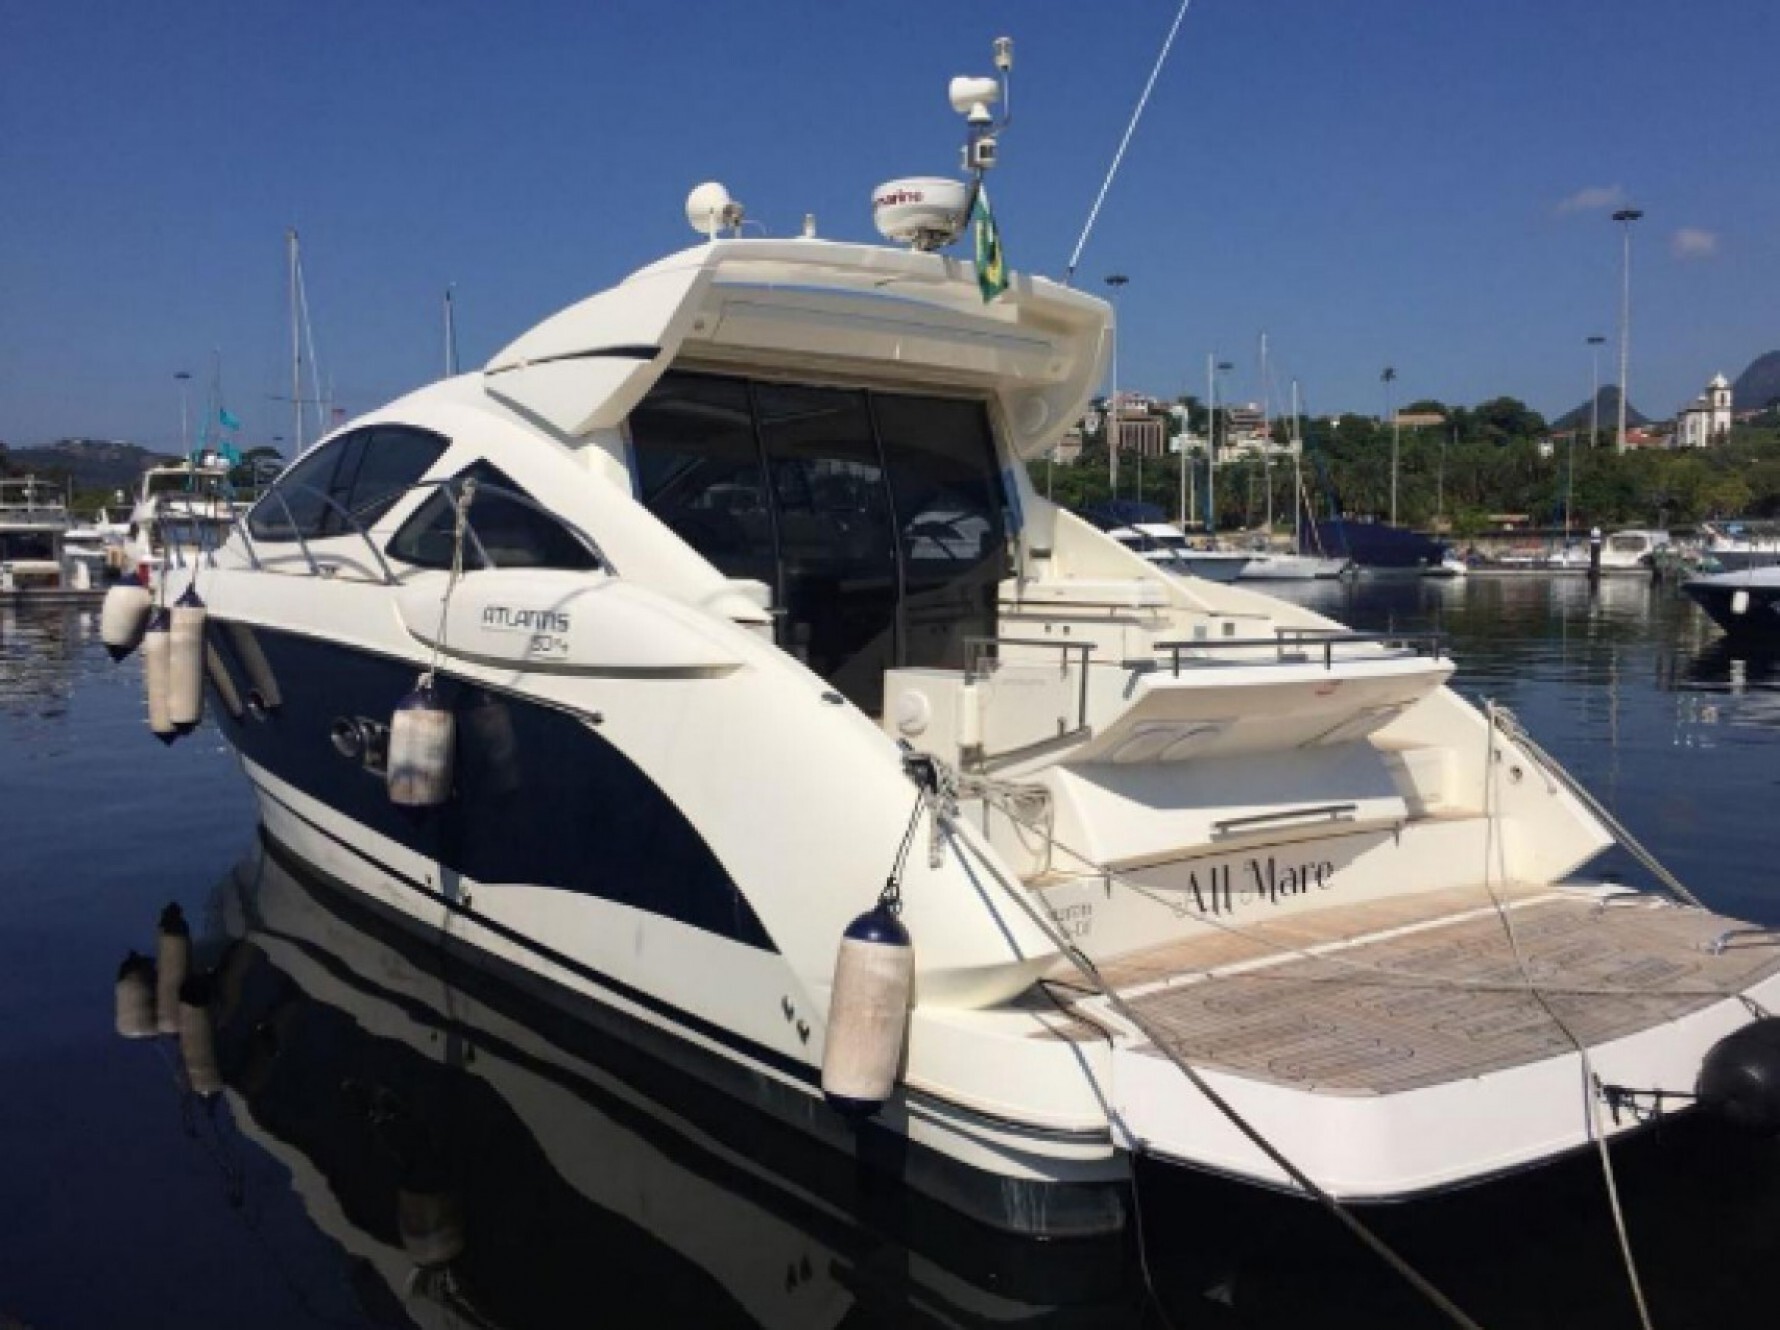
1757, 385
89, 464
1608, 397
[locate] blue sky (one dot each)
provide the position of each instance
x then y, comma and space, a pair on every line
1421, 183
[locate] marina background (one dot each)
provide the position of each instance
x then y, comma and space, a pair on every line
1425, 186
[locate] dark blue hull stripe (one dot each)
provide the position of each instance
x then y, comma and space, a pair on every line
687, 1021
539, 796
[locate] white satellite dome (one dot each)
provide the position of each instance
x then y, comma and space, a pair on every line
924, 211
709, 209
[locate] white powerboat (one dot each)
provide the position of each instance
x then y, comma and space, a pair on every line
1166, 546
1735, 546
718, 609
1631, 550
182, 510
34, 561
99, 541
1274, 566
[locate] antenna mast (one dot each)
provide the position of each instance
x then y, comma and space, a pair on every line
1125, 142
450, 333
296, 348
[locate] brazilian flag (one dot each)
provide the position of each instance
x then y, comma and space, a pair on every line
991, 268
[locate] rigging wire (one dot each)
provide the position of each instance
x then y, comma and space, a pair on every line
1014, 801
321, 424
1125, 142
1341, 1213
1591, 1084
1512, 727
1392, 978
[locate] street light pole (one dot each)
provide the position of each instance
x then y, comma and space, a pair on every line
1625, 217
1388, 378
1594, 404
1115, 281
1594, 428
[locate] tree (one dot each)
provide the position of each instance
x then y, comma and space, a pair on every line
1503, 418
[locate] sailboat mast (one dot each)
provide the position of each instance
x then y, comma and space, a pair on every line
1297, 478
1266, 440
296, 348
1211, 445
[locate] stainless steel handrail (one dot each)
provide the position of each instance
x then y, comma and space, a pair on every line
1294, 641
450, 486
976, 649
1333, 812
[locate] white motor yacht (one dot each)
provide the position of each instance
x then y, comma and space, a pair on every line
100, 541
1631, 550
1165, 545
34, 561
182, 509
733, 615
1274, 566
1736, 546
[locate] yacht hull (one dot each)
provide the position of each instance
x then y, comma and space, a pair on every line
559, 866
1214, 567
1008, 1176
1745, 606
1290, 568
1379, 546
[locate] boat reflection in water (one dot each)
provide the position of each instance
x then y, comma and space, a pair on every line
480, 1159
39, 646
495, 1163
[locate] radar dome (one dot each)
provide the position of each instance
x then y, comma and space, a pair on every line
926, 212
709, 209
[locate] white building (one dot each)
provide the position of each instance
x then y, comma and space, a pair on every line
1707, 420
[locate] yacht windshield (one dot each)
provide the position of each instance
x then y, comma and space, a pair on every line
878, 519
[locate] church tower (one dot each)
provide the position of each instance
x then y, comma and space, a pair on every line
1718, 396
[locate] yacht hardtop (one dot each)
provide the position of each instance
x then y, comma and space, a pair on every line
739, 615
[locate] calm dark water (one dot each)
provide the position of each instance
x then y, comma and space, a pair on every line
387, 1108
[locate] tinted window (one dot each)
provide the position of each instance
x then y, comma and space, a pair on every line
514, 534
294, 506
837, 540
339, 488
946, 486
362, 474
698, 469
391, 461
877, 518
